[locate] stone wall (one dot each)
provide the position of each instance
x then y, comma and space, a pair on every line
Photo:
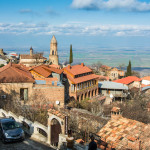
32, 128
13, 89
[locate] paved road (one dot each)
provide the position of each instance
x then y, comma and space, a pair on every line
27, 144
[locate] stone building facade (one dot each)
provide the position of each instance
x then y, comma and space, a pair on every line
32, 59
17, 82
82, 83
112, 73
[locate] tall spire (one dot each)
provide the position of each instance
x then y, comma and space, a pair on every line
53, 57
53, 40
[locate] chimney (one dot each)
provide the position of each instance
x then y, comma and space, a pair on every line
69, 66
116, 113
82, 64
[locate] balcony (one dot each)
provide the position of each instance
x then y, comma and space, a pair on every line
84, 89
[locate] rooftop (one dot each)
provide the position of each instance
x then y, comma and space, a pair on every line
46, 70
111, 85
146, 88
82, 79
121, 131
34, 56
127, 80
146, 78
15, 73
77, 69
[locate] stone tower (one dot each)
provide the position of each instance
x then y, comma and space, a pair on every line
1, 51
53, 57
31, 51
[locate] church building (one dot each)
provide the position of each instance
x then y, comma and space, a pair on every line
32, 59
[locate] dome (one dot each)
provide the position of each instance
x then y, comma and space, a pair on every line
53, 40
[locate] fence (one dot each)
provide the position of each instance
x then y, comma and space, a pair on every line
35, 129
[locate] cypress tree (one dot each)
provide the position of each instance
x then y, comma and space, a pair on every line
129, 69
71, 55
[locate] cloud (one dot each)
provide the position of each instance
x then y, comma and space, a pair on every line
25, 11
122, 5
74, 29
51, 12
29, 12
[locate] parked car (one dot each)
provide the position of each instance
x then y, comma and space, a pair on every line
10, 130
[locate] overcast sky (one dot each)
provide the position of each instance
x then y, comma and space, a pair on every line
83, 23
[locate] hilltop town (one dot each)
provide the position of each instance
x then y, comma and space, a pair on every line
50, 98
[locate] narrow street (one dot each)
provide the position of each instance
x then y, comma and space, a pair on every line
27, 144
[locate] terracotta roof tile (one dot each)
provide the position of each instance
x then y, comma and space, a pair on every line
121, 130
83, 78
34, 56
115, 109
15, 73
146, 78
45, 70
56, 113
127, 80
77, 69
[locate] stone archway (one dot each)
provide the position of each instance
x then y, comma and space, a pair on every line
57, 126
93, 93
55, 131
85, 95
89, 94
82, 97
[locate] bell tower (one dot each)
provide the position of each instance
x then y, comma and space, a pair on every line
53, 57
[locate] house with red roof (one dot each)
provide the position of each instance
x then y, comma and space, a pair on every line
16, 78
112, 72
122, 133
32, 59
48, 73
145, 81
16, 81
130, 81
82, 82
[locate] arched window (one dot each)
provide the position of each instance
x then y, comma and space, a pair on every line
53, 52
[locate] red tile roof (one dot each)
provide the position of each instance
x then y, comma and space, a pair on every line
82, 79
45, 70
121, 131
77, 69
115, 109
56, 113
146, 78
15, 73
55, 66
34, 56
127, 80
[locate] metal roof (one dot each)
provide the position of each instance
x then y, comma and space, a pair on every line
40, 81
112, 85
145, 88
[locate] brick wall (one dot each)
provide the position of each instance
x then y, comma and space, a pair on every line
49, 93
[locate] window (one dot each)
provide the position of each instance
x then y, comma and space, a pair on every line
24, 94
53, 52
3, 96
52, 82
